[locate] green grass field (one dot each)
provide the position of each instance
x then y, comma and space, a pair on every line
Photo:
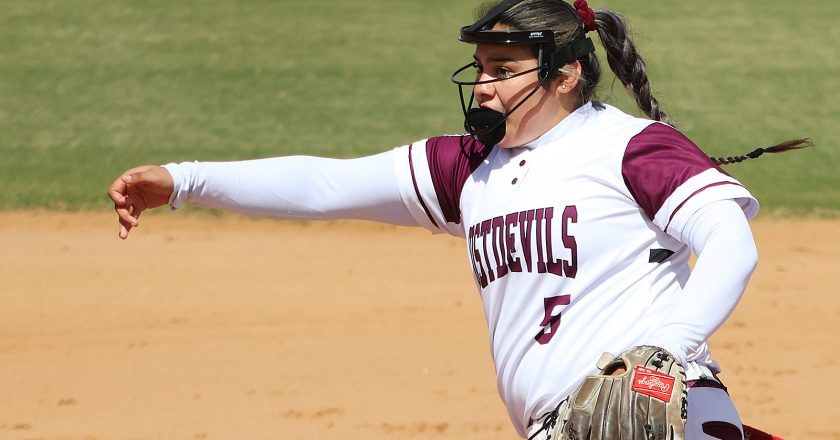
91, 87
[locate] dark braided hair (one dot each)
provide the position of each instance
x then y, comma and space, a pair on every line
629, 67
624, 60
793, 144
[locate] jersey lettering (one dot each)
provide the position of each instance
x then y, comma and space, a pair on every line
478, 270
540, 261
570, 215
526, 219
485, 231
554, 266
510, 243
499, 245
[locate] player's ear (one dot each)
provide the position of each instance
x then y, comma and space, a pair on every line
569, 77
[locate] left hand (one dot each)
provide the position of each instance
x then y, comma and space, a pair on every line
639, 395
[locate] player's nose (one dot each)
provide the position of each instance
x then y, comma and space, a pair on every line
484, 92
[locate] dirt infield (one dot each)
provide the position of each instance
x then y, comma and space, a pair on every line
226, 328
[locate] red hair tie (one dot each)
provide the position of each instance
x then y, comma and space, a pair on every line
587, 15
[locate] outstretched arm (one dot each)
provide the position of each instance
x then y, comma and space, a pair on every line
294, 187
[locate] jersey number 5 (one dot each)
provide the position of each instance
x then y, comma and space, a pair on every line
552, 317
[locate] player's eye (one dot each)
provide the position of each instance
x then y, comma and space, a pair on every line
503, 73
496, 73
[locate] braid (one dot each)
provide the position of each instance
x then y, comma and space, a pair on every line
793, 144
628, 66
729, 159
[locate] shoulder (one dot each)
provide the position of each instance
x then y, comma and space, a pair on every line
611, 121
608, 128
451, 160
639, 139
456, 150
434, 172
670, 176
662, 148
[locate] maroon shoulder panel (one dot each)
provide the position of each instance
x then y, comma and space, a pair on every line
657, 161
452, 159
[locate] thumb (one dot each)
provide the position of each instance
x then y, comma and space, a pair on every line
136, 178
129, 178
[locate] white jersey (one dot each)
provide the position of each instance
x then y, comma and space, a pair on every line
568, 239
572, 238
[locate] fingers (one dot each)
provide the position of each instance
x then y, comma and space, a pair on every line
124, 202
127, 211
118, 193
136, 190
128, 219
117, 190
125, 227
127, 216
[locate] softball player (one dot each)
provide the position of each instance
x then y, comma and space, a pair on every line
578, 219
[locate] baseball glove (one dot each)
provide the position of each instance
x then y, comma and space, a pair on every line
646, 402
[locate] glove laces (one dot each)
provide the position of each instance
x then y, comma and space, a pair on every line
548, 423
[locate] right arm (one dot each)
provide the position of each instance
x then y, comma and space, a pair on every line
294, 187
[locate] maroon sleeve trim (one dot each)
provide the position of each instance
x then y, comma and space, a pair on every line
417, 189
657, 161
452, 160
677, 209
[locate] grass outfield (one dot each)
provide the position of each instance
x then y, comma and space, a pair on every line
91, 87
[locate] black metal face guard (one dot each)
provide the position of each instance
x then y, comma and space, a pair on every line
454, 78
547, 66
487, 130
466, 107
491, 129
488, 125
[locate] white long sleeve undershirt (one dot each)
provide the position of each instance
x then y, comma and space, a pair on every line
720, 236
296, 187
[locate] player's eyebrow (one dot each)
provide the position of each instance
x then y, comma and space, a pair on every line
498, 59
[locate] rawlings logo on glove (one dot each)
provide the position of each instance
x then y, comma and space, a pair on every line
653, 383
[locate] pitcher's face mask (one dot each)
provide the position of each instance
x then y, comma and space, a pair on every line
486, 125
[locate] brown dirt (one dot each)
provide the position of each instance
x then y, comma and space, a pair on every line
228, 328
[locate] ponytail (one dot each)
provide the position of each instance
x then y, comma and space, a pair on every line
627, 65
629, 68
